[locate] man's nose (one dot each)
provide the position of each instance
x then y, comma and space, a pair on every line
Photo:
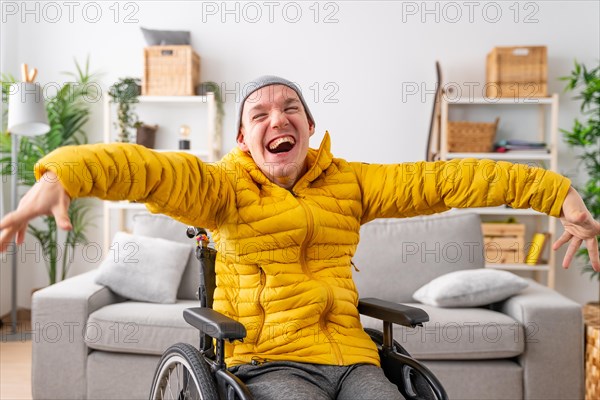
278, 119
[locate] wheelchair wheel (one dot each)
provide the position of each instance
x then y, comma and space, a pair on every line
183, 374
406, 373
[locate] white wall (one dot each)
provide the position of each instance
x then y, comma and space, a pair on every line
358, 57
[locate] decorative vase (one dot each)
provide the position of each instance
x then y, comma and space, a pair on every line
146, 135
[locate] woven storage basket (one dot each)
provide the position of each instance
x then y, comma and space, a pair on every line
170, 71
471, 137
591, 313
517, 72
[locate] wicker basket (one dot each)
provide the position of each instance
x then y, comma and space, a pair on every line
471, 137
518, 72
591, 314
170, 71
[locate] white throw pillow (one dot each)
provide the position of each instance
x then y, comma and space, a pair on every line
144, 268
470, 288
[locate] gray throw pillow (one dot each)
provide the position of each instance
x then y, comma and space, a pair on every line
144, 268
155, 37
161, 226
470, 288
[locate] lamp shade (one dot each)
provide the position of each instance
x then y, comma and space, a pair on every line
26, 111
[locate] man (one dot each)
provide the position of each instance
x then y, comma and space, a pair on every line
285, 219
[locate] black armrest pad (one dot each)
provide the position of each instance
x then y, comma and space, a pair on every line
214, 324
392, 312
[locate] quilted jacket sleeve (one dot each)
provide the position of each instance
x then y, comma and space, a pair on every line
409, 189
176, 184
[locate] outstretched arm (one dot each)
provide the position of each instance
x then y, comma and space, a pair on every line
579, 226
410, 189
175, 184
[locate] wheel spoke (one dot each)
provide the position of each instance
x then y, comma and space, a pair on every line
169, 386
179, 385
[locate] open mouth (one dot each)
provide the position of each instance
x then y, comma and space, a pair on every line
281, 145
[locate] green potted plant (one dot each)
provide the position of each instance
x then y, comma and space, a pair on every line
68, 111
125, 94
585, 136
209, 86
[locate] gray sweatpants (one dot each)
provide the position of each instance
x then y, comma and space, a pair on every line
277, 380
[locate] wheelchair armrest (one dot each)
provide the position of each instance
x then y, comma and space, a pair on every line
214, 324
392, 312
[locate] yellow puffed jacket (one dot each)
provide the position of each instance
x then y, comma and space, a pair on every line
284, 264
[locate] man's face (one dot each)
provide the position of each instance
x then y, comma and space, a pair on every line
275, 131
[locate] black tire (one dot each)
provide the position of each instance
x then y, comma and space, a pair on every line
183, 374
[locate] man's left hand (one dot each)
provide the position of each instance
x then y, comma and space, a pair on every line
579, 226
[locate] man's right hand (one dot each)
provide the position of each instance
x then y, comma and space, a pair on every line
46, 197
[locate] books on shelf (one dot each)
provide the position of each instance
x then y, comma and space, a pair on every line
504, 146
536, 247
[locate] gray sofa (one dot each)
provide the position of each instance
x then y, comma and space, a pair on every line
89, 343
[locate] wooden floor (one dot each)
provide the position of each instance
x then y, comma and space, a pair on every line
15, 370
15, 364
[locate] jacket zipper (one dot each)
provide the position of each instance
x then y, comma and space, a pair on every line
309, 234
262, 309
329, 304
334, 345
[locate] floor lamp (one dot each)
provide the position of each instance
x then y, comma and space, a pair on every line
26, 117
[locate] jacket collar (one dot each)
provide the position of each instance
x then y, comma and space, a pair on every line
318, 161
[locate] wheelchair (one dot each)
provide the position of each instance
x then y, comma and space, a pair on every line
186, 372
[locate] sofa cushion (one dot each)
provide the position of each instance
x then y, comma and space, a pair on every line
161, 226
459, 334
397, 256
142, 328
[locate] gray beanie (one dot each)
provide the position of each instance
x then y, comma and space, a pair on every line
261, 82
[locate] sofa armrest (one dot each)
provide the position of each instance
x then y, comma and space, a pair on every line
553, 358
59, 317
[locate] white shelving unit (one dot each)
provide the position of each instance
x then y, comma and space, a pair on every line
519, 156
210, 151
545, 106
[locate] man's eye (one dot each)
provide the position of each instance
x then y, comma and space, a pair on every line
292, 108
258, 116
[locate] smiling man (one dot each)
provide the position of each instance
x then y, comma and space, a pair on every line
285, 219
274, 126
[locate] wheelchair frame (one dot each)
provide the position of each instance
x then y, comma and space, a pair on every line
207, 362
